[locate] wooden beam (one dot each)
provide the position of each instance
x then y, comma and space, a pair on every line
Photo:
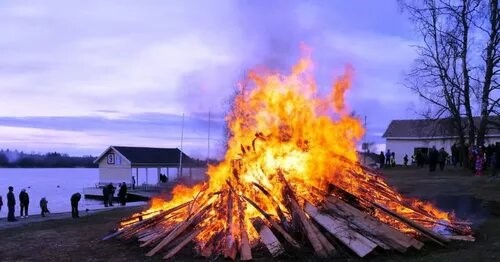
184, 242
267, 237
387, 234
245, 251
338, 228
230, 250
177, 231
426, 232
307, 225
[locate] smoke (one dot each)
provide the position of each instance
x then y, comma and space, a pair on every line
260, 34
275, 29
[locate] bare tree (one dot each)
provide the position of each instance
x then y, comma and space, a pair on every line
458, 61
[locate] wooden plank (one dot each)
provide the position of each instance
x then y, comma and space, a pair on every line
230, 249
177, 231
426, 232
339, 228
306, 223
268, 238
245, 251
387, 234
274, 225
184, 242
330, 249
150, 220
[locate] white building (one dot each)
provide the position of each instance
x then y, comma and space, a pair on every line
119, 164
407, 136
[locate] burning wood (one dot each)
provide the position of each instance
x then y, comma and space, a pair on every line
293, 185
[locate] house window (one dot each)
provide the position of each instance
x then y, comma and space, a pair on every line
111, 159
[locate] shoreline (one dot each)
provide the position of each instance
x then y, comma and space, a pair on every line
37, 218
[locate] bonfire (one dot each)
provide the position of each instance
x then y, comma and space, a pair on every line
290, 181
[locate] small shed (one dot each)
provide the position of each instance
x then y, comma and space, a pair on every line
408, 136
119, 164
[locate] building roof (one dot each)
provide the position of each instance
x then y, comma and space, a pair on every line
149, 156
434, 128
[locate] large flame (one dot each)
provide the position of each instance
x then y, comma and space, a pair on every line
280, 125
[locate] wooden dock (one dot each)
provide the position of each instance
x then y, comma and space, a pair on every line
143, 192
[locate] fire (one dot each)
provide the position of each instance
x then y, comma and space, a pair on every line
283, 132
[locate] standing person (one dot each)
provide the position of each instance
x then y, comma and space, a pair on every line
393, 159
405, 160
24, 201
388, 158
111, 193
381, 159
11, 204
442, 158
43, 206
454, 154
105, 195
133, 182
433, 159
75, 198
122, 194
1, 203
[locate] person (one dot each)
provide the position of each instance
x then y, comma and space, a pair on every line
105, 195
381, 158
75, 198
443, 155
133, 182
111, 193
163, 178
433, 159
122, 194
454, 154
43, 206
11, 204
405, 160
393, 159
24, 201
1, 203
388, 158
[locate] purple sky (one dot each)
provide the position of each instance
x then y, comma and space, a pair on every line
78, 76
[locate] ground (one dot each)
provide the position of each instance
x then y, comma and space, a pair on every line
67, 239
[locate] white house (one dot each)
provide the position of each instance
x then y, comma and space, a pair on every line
407, 136
118, 164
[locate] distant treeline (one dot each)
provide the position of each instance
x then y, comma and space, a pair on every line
9, 158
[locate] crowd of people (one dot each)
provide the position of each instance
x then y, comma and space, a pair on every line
24, 201
477, 158
388, 159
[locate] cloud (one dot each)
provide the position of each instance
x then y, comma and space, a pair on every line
95, 67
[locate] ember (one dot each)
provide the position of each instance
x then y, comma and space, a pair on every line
290, 180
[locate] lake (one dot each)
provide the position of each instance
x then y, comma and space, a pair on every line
55, 184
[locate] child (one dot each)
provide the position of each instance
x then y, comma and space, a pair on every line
43, 206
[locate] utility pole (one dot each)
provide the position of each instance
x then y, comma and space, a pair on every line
208, 142
180, 157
